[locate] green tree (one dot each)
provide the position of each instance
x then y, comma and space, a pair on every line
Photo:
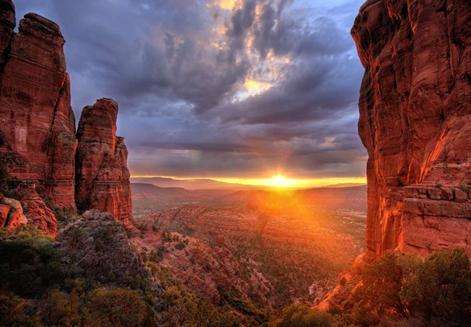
300, 315
116, 307
440, 289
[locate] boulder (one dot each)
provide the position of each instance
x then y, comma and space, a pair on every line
11, 214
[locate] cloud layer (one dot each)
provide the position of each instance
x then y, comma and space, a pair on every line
228, 88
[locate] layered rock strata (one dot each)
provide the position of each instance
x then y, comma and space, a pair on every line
37, 129
415, 121
102, 174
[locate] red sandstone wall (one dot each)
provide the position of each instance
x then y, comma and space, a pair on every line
102, 173
37, 131
37, 127
415, 121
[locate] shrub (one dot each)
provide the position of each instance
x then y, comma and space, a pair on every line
435, 290
115, 307
61, 309
300, 315
13, 311
440, 289
183, 308
382, 282
181, 245
29, 265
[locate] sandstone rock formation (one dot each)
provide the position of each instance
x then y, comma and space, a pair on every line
38, 213
102, 175
37, 129
415, 121
37, 126
11, 214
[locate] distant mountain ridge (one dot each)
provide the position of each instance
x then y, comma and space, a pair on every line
211, 184
189, 184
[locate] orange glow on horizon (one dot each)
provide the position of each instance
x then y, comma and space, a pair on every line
275, 181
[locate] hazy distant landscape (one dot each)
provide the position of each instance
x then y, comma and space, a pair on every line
276, 246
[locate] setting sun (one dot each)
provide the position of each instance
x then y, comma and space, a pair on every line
280, 181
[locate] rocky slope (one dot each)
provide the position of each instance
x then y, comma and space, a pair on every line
37, 130
415, 121
236, 251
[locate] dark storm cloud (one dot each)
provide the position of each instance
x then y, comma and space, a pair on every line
177, 68
316, 88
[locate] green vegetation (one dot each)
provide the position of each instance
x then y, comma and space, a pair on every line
39, 287
435, 291
301, 315
439, 290
92, 276
181, 307
29, 264
116, 307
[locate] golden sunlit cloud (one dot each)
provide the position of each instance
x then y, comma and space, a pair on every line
251, 87
227, 4
256, 87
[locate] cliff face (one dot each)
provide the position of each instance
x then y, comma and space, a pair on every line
415, 121
37, 128
102, 173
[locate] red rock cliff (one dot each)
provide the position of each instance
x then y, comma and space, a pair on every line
415, 121
37, 127
37, 131
102, 178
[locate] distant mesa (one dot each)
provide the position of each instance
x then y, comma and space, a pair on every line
40, 152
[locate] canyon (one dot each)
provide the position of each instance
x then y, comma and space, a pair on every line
48, 165
238, 255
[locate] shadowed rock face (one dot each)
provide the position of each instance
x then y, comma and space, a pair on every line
415, 121
102, 179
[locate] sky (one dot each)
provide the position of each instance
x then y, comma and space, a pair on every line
228, 89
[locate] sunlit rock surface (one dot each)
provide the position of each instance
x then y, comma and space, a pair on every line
102, 173
11, 214
415, 121
37, 130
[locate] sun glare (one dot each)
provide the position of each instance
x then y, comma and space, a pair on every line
280, 181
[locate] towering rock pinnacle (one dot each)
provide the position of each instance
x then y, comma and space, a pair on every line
37, 125
37, 132
415, 121
102, 176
